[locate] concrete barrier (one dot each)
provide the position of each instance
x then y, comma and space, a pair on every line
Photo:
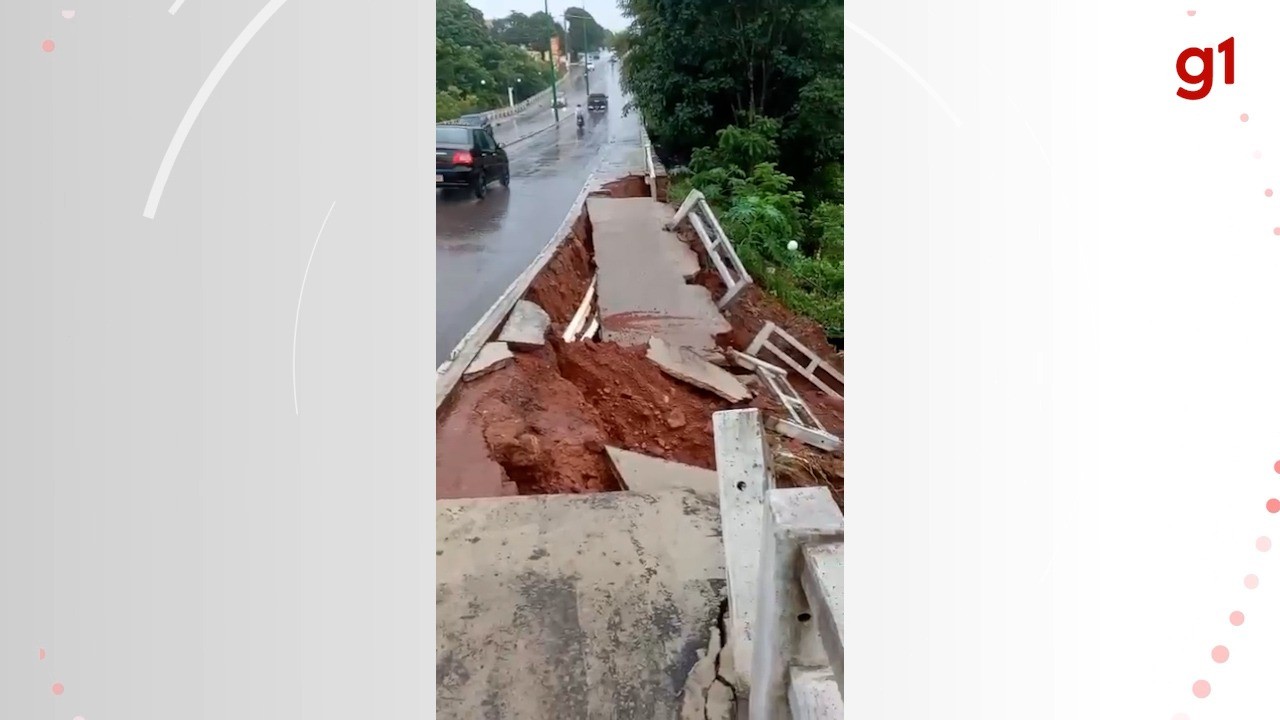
784, 565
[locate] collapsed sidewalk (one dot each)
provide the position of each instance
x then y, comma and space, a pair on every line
604, 378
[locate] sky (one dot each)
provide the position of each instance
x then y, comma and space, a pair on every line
604, 11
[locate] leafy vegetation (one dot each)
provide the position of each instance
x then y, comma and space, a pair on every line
759, 208
750, 95
475, 64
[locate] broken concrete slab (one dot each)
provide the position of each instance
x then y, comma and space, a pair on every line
526, 327
642, 269
648, 474
493, 356
687, 365
573, 606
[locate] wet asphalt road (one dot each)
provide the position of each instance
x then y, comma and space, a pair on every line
483, 245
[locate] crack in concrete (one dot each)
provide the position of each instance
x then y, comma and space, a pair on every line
721, 624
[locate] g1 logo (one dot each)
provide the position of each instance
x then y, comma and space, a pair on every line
1205, 77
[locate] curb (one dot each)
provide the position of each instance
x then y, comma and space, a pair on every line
526, 136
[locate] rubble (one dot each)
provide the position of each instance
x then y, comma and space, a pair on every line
687, 365
493, 356
526, 327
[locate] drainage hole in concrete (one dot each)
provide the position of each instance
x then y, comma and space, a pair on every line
804, 617
742, 485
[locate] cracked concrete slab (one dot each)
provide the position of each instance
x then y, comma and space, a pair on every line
526, 326
645, 473
642, 271
574, 606
493, 356
688, 366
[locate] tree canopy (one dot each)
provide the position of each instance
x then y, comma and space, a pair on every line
531, 31
475, 66
696, 66
583, 32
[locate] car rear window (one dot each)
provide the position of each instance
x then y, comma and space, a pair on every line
447, 135
596, 97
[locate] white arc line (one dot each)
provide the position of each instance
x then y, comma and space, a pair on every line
202, 96
906, 68
173, 9
298, 315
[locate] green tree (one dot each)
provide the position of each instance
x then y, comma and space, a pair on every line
583, 33
474, 68
696, 66
531, 31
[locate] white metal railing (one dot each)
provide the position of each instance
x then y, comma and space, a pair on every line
504, 112
784, 562
719, 248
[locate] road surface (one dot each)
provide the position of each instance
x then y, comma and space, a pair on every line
483, 245
174, 538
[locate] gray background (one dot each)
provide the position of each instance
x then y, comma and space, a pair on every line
176, 538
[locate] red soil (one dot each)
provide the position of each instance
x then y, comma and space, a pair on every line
640, 407
546, 419
560, 286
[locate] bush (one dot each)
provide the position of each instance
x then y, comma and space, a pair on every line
762, 214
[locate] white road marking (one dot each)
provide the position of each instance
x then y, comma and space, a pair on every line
211, 82
906, 68
298, 315
173, 9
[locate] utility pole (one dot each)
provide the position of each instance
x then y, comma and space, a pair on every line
555, 98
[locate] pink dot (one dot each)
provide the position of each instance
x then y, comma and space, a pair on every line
1220, 654
1273, 506
1191, 13
1257, 154
1264, 543
1237, 618
1244, 117
1251, 581
1268, 192
1276, 467
57, 688
1200, 689
68, 14
1277, 232
47, 46
41, 653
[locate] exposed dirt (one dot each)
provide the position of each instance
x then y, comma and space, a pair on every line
640, 407
540, 429
631, 186
560, 286
546, 419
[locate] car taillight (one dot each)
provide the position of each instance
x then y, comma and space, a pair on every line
462, 157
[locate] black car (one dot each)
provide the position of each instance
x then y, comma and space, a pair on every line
597, 102
469, 157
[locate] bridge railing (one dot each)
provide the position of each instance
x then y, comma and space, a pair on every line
784, 561
717, 244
